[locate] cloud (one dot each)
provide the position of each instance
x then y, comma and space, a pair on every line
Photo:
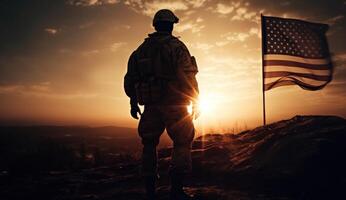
187, 13
223, 9
334, 20
149, 8
222, 43
255, 31
43, 87
86, 25
5, 89
117, 45
285, 3
91, 2
205, 47
51, 31
339, 62
41, 90
126, 26
114, 47
134, 3
242, 14
239, 11
193, 27
237, 36
199, 19
197, 3
90, 52
341, 56
143, 6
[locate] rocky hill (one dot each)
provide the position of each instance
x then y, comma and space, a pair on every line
304, 156
299, 158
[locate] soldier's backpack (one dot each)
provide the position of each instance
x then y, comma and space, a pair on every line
156, 68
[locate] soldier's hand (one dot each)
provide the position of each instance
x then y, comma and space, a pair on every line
196, 112
135, 110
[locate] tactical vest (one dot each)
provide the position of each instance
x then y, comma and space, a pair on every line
156, 67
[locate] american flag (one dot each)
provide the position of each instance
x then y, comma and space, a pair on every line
295, 52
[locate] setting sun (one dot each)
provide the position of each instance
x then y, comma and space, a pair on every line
207, 104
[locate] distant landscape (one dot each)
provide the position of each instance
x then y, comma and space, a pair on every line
65, 147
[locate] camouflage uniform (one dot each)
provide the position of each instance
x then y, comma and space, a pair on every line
170, 112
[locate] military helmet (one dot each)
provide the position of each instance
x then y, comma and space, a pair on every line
165, 15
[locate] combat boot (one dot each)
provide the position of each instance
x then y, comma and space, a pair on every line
150, 187
177, 191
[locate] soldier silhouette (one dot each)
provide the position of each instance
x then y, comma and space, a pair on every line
161, 76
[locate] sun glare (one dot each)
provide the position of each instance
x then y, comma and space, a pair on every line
206, 104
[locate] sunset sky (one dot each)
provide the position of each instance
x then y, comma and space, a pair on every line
63, 62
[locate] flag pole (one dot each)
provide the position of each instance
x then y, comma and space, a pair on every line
263, 89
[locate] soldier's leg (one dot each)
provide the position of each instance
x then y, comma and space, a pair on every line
150, 129
181, 130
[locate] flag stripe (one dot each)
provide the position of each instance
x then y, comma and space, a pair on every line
303, 85
285, 74
274, 85
296, 70
296, 64
292, 78
297, 59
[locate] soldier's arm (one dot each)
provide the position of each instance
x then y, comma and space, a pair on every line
130, 79
187, 70
192, 77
